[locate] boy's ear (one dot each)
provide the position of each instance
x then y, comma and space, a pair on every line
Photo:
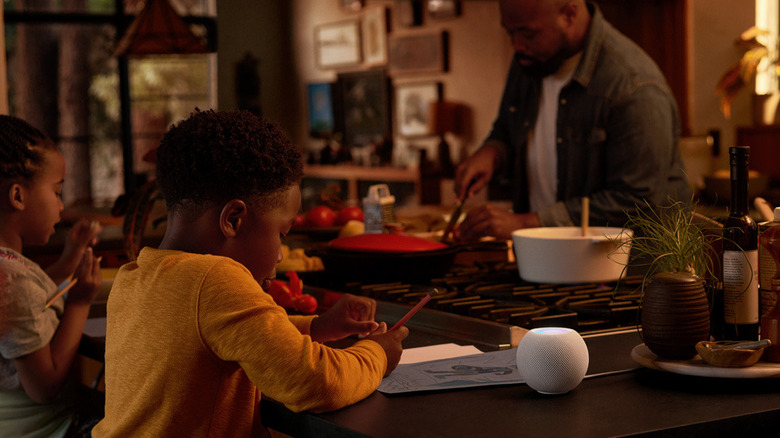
232, 217
16, 196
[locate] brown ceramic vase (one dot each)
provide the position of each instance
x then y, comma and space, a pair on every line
675, 315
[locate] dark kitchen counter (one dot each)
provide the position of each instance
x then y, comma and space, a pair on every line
623, 401
619, 399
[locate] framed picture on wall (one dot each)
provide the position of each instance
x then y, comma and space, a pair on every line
442, 9
322, 120
352, 5
424, 53
412, 107
408, 13
364, 102
338, 44
374, 32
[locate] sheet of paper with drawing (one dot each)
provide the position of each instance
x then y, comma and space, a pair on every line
436, 352
484, 369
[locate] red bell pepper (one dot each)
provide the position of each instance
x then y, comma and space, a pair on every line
291, 296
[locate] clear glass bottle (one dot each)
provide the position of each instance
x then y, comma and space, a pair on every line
740, 256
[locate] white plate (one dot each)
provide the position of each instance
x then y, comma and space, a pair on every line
697, 367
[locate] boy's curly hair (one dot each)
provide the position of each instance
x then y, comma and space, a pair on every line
215, 156
21, 149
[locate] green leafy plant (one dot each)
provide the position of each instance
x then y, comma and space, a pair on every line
672, 238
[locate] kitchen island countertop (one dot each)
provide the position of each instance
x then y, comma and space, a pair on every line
631, 402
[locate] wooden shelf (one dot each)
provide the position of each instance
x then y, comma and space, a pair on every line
352, 174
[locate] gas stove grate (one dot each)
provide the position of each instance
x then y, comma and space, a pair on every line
495, 292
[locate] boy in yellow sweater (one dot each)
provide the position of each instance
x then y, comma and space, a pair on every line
192, 338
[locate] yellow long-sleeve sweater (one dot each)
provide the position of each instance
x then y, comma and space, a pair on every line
192, 340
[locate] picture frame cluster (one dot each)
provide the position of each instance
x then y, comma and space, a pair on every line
375, 95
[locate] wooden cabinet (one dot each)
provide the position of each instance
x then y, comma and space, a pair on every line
764, 142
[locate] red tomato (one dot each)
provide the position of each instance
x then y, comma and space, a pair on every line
347, 214
305, 303
299, 221
321, 216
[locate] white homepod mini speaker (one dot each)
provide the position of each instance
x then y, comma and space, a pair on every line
552, 360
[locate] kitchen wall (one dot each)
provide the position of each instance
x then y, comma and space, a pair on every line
281, 35
713, 27
261, 29
479, 55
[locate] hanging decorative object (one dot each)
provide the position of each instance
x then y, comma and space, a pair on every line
159, 30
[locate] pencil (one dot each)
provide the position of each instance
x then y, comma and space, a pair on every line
414, 309
62, 291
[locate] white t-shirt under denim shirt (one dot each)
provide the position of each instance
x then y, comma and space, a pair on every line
542, 164
26, 325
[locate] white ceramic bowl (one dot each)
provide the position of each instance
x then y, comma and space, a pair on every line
564, 255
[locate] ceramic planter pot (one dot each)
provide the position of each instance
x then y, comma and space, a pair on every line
675, 315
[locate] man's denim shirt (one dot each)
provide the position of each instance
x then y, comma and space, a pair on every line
617, 133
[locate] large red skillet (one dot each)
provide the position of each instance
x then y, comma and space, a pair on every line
382, 258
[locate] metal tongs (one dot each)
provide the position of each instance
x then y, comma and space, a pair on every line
456, 213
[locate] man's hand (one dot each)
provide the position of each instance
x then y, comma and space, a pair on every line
351, 315
478, 168
489, 220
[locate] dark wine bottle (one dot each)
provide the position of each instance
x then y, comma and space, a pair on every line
740, 256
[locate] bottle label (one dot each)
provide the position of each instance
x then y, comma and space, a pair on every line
766, 267
372, 218
766, 271
740, 287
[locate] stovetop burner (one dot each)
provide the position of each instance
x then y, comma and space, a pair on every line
494, 292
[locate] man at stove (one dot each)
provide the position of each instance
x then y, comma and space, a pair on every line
585, 113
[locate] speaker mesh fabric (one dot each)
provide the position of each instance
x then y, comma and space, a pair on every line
552, 360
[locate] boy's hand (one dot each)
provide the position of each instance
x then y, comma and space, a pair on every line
391, 343
351, 315
89, 279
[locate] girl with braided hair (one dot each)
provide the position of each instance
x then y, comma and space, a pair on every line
40, 332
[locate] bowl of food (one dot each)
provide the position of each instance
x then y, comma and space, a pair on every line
567, 255
731, 354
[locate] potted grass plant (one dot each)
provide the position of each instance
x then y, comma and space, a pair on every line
673, 245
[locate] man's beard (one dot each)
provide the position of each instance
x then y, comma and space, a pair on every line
542, 69
551, 65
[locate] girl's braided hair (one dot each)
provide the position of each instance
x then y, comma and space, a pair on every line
21, 149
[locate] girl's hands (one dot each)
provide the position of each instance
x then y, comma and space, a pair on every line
89, 279
83, 235
43, 372
351, 315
